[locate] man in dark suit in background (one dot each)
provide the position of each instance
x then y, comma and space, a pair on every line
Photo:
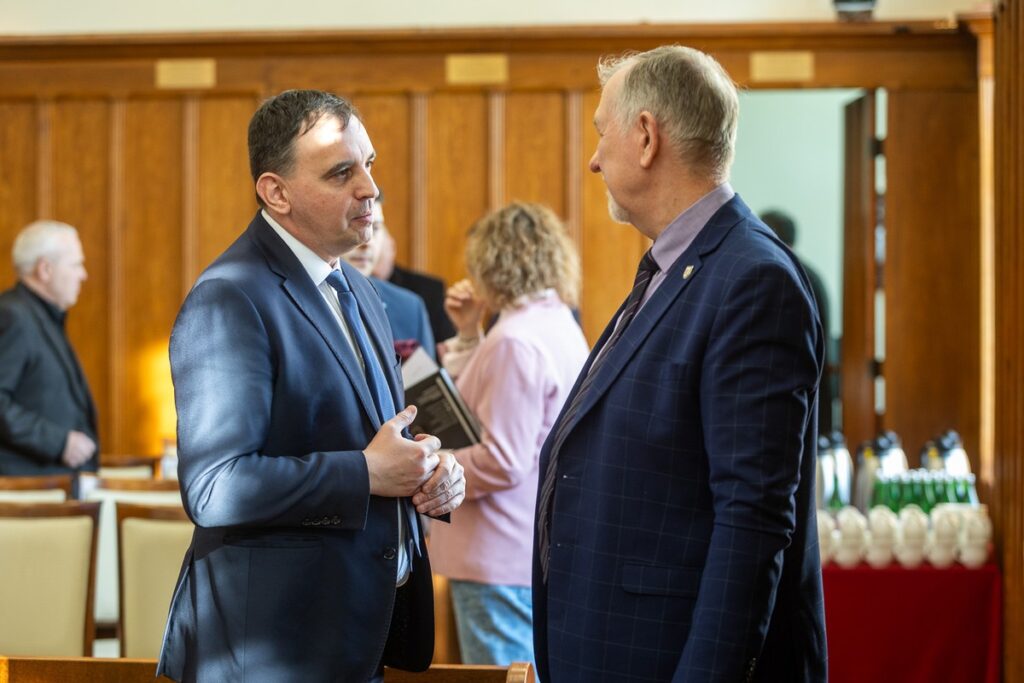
405, 309
676, 536
427, 287
308, 561
785, 227
47, 415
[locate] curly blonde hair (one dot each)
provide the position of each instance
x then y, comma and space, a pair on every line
522, 249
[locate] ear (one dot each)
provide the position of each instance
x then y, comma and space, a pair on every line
43, 270
650, 136
274, 192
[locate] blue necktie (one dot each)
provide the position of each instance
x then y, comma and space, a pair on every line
379, 389
378, 384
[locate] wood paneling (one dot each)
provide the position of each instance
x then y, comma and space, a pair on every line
226, 200
535, 141
1009, 332
149, 271
609, 252
858, 348
457, 178
18, 144
932, 269
81, 158
389, 124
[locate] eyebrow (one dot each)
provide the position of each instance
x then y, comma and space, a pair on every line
345, 165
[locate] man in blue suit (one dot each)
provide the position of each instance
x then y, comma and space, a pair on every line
676, 534
406, 311
307, 562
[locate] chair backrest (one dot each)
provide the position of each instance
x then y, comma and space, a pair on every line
110, 492
77, 669
517, 672
47, 565
46, 489
127, 467
151, 543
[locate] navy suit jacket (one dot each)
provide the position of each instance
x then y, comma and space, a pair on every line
683, 531
291, 572
407, 315
43, 391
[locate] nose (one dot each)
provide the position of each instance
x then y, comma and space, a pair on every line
594, 166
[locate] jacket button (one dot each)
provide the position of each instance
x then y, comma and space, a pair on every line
389, 553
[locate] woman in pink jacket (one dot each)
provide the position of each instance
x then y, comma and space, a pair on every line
515, 378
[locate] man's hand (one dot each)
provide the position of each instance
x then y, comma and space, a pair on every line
77, 449
398, 466
445, 490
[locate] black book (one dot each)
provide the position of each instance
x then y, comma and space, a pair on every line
441, 411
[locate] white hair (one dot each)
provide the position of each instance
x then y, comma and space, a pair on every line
38, 240
689, 94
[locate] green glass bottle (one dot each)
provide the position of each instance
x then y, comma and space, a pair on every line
894, 491
931, 496
880, 491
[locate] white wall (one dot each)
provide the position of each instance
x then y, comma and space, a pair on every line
789, 156
114, 16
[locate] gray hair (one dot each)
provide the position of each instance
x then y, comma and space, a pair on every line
690, 96
38, 240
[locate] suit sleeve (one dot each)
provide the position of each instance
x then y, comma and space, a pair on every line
22, 429
757, 388
223, 367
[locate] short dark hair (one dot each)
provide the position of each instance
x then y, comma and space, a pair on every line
782, 224
285, 117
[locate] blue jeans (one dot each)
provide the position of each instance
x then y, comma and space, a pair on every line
494, 623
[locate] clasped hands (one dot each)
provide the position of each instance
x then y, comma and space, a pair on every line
399, 467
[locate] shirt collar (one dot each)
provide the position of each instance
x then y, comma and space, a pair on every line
315, 267
681, 232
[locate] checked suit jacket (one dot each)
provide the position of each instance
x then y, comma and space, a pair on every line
291, 572
683, 530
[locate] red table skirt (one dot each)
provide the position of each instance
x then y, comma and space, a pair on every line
913, 625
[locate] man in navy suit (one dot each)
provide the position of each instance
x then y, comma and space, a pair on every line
406, 311
307, 562
676, 533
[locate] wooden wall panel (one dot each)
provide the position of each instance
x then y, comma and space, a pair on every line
81, 160
857, 379
389, 124
149, 270
19, 137
610, 252
1009, 330
535, 140
932, 270
457, 179
224, 187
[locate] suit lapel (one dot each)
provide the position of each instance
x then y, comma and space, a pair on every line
307, 298
679, 275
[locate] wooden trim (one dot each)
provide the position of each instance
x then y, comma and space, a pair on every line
81, 669
573, 155
112, 484
418, 185
600, 38
44, 159
190, 194
116, 271
40, 483
496, 195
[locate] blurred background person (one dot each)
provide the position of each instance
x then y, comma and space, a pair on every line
47, 415
429, 288
406, 311
785, 227
522, 264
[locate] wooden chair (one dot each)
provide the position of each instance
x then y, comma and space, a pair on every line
77, 670
110, 493
47, 567
152, 541
127, 467
55, 488
517, 672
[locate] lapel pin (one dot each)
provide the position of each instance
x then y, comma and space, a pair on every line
687, 272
